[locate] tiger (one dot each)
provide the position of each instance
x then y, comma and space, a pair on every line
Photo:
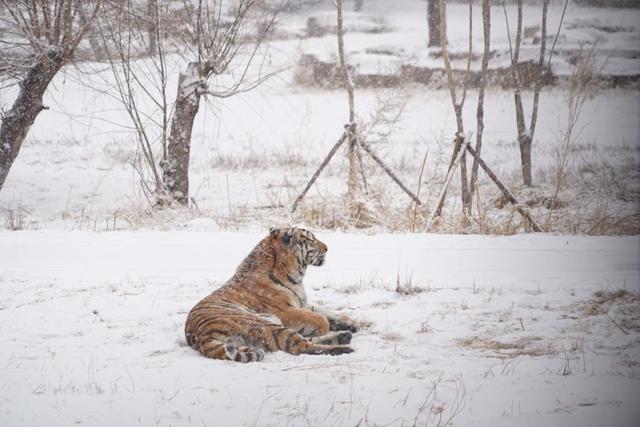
264, 308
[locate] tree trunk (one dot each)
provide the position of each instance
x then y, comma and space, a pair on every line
464, 181
486, 35
18, 120
524, 139
353, 187
99, 50
525, 158
358, 5
352, 180
152, 26
175, 168
433, 21
524, 136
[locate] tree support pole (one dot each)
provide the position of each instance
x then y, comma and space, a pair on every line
324, 163
393, 176
522, 211
464, 142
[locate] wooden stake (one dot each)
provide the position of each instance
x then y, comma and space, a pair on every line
323, 165
443, 191
388, 171
616, 323
522, 211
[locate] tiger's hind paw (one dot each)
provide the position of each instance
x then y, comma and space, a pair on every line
339, 349
344, 337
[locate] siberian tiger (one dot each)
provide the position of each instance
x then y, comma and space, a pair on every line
264, 305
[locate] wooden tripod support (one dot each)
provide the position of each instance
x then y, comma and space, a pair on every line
505, 191
349, 132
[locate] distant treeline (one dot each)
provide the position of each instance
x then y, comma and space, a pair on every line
594, 3
609, 3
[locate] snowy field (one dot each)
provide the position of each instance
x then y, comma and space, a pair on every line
523, 330
465, 329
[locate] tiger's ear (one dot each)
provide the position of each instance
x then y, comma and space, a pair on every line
287, 238
273, 231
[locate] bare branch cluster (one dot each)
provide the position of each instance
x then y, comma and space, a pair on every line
42, 30
582, 86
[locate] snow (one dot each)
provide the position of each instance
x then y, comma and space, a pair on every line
91, 325
521, 330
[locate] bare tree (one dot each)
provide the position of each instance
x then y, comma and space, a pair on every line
214, 41
216, 38
582, 86
357, 209
352, 148
525, 135
458, 105
486, 53
41, 37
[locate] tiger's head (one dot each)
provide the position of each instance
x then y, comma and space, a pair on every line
299, 245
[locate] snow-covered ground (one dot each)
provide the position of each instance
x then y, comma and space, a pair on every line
523, 330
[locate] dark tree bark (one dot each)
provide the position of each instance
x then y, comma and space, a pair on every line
175, 168
433, 21
18, 120
524, 141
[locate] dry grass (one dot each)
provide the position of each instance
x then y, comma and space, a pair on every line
603, 300
391, 336
425, 327
407, 287
15, 219
533, 346
286, 159
618, 308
